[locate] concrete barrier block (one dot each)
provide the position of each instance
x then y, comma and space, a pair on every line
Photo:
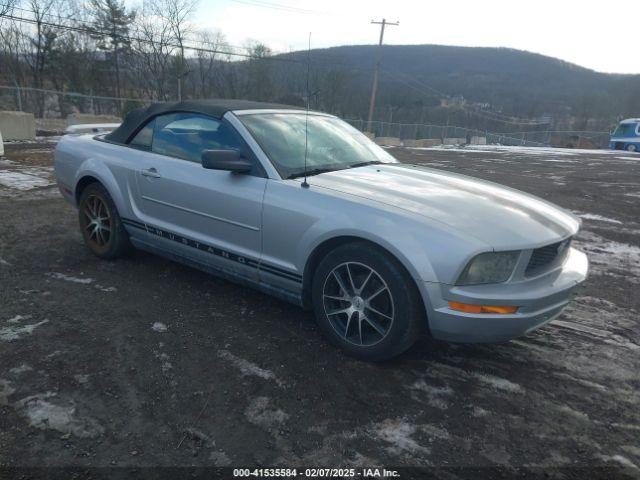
84, 118
478, 140
1, 145
427, 142
17, 126
370, 135
388, 141
454, 141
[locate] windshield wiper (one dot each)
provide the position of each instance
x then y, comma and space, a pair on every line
364, 164
312, 171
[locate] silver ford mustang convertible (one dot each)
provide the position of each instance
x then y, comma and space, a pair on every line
306, 208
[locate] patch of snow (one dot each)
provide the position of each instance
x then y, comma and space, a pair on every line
499, 383
624, 461
44, 414
247, 368
9, 334
599, 319
608, 257
599, 218
166, 367
628, 158
436, 396
220, 459
260, 414
479, 412
398, 433
106, 289
543, 150
17, 318
81, 378
68, 278
4, 262
22, 181
21, 369
6, 390
159, 327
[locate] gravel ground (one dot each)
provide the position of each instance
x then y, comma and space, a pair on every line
142, 362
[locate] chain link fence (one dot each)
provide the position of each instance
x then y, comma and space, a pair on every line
51, 109
416, 131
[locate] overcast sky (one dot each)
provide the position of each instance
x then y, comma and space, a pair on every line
589, 33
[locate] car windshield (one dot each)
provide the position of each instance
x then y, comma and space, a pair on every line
624, 130
332, 144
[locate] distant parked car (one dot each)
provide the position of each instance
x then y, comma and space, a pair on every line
381, 251
627, 136
91, 128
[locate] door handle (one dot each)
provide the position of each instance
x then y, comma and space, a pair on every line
150, 172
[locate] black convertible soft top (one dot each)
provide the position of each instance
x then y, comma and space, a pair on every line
214, 108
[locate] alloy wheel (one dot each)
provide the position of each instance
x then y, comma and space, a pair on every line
358, 303
97, 221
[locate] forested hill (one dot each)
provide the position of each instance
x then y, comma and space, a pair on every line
415, 79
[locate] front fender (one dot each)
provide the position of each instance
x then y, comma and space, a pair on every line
430, 251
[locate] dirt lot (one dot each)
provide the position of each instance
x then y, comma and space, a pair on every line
143, 362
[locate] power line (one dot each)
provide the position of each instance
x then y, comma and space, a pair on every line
94, 31
278, 6
73, 94
95, 25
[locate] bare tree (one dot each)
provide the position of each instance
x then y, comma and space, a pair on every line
177, 13
154, 50
6, 7
208, 60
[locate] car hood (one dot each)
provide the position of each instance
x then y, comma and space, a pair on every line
503, 218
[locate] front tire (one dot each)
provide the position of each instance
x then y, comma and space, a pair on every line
100, 223
366, 303
632, 148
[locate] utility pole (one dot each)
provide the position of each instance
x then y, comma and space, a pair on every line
374, 89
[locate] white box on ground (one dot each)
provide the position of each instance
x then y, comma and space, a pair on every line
17, 126
478, 140
388, 141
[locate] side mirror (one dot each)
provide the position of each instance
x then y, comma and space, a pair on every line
229, 160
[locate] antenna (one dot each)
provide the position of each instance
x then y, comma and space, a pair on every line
306, 118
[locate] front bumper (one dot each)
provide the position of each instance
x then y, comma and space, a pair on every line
539, 300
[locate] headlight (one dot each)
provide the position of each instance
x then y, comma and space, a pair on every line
491, 267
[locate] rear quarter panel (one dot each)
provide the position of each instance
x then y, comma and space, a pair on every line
79, 156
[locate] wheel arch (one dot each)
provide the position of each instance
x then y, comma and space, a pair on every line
83, 183
330, 244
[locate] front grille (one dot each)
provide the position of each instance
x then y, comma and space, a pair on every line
547, 257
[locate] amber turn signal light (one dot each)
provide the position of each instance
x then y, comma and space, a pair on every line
468, 308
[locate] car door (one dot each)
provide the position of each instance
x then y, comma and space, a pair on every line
211, 216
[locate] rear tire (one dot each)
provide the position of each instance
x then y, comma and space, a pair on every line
632, 148
100, 223
366, 303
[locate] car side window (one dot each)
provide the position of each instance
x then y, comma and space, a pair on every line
187, 135
144, 137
